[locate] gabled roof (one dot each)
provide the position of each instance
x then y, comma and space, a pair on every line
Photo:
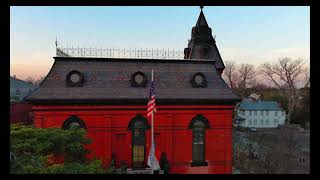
260, 105
18, 83
109, 79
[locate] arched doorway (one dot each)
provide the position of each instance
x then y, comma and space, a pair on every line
138, 125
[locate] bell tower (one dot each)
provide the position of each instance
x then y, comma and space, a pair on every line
202, 45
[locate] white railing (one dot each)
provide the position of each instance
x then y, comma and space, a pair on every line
120, 53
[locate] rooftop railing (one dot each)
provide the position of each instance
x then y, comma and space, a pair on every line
120, 53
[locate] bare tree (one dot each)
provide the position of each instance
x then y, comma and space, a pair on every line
285, 75
231, 74
290, 141
30, 80
34, 81
307, 77
247, 74
39, 80
271, 161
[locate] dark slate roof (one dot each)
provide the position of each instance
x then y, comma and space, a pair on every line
196, 42
202, 20
260, 105
108, 79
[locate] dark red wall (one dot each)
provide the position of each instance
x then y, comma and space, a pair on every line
20, 113
107, 126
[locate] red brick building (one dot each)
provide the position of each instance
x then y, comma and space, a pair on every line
108, 97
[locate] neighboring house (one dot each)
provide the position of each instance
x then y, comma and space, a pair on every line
260, 114
20, 111
19, 89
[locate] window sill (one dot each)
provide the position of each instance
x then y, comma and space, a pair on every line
194, 164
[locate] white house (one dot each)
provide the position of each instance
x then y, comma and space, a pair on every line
19, 89
260, 114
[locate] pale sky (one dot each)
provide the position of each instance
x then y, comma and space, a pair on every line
253, 34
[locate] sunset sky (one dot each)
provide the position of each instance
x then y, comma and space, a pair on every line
244, 34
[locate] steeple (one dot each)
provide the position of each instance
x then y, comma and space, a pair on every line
202, 45
202, 20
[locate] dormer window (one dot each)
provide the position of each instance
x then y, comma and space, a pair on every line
199, 80
75, 78
139, 79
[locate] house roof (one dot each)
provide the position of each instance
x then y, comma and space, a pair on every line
18, 83
109, 79
239, 118
260, 105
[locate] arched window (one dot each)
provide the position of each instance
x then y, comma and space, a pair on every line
198, 126
73, 122
138, 125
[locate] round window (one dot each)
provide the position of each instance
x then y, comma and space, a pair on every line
75, 78
198, 79
138, 78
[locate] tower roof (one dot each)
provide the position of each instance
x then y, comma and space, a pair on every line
202, 20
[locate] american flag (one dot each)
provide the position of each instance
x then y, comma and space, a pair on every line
152, 100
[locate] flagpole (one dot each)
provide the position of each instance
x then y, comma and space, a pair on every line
152, 118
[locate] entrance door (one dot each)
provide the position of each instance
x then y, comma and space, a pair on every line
138, 145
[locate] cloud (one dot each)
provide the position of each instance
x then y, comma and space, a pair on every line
292, 52
22, 71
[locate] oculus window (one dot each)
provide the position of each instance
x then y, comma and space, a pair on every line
75, 78
199, 80
139, 79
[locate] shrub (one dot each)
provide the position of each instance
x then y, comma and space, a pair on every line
32, 147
